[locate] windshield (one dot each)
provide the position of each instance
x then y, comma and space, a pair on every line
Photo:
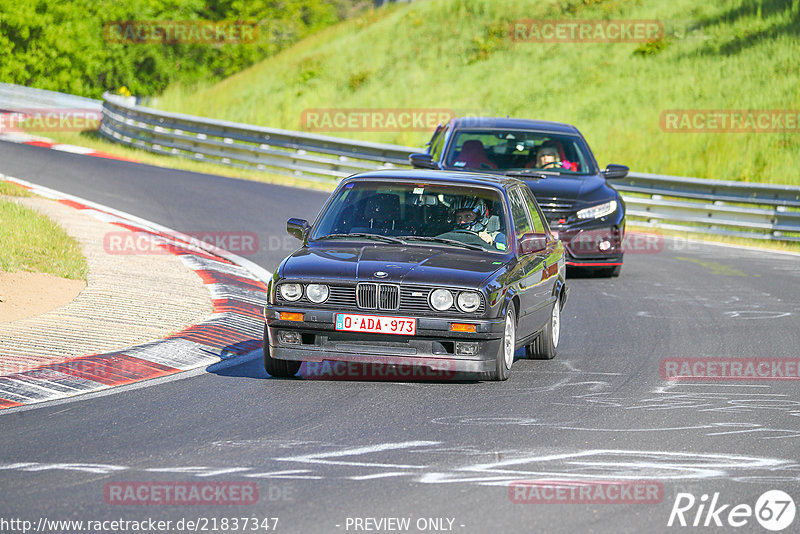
506, 150
416, 213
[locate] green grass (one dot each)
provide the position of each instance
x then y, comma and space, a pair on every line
456, 54
32, 242
11, 189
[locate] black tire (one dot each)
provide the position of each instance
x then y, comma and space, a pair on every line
545, 346
503, 366
275, 367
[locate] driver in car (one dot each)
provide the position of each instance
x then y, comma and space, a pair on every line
547, 157
472, 215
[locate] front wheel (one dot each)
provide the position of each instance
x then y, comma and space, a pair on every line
545, 345
505, 356
275, 367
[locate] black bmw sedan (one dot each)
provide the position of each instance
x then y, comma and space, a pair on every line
586, 213
419, 269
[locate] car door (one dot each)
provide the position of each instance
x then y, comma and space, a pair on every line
554, 253
532, 280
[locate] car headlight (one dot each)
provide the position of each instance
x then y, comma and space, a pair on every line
291, 292
468, 301
595, 212
317, 293
441, 299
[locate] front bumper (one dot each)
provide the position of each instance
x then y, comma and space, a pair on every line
434, 347
592, 247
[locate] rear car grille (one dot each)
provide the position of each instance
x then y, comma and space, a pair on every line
404, 299
372, 296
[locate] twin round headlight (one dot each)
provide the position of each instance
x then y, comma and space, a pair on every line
467, 301
316, 293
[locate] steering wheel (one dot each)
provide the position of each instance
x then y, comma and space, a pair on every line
551, 164
469, 236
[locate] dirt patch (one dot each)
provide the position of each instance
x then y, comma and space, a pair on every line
24, 295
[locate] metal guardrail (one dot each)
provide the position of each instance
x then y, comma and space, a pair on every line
14, 97
678, 203
315, 157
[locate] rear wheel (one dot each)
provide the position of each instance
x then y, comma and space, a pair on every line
545, 345
275, 367
505, 355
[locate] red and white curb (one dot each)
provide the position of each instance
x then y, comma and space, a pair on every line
23, 138
235, 328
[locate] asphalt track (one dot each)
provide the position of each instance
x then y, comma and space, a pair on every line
323, 451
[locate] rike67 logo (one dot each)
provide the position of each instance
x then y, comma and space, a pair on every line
774, 510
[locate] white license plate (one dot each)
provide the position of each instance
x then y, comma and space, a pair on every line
377, 324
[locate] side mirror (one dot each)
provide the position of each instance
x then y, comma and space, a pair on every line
422, 161
531, 243
298, 228
615, 172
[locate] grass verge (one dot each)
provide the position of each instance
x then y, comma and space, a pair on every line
11, 189
33, 242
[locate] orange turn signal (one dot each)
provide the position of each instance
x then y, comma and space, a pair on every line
462, 327
289, 316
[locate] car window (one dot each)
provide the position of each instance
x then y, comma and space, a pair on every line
505, 150
437, 143
417, 212
519, 212
538, 221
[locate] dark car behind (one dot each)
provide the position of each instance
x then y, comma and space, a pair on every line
583, 210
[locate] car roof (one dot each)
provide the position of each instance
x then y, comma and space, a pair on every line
512, 124
442, 177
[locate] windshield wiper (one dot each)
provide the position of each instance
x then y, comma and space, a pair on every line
531, 173
386, 238
445, 241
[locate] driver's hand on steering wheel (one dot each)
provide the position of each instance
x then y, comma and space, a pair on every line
486, 237
551, 164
